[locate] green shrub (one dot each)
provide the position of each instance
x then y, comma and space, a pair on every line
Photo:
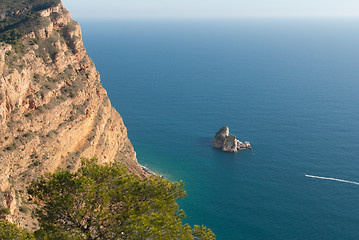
4, 211
24, 209
10, 147
9, 231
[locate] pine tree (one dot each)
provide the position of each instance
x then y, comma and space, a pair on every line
107, 202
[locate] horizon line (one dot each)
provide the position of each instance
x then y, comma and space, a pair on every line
218, 18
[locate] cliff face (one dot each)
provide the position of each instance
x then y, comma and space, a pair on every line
53, 109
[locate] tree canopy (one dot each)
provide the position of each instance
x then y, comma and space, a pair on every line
107, 202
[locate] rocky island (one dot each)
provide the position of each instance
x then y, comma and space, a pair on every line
228, 143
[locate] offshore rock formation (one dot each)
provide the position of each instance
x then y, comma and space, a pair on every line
228, 143
53, 109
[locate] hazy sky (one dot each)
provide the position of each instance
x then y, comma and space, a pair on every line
91, 9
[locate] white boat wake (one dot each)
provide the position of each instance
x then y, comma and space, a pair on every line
332, 179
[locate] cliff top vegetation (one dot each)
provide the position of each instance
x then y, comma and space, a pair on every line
19, 17
107, 202
9, 6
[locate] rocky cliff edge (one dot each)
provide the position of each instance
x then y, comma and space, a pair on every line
53, 109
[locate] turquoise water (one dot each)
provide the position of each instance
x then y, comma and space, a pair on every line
290, 87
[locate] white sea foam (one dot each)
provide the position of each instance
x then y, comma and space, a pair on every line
332, 179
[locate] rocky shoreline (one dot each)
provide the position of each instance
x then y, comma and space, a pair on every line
149, 171
228, 143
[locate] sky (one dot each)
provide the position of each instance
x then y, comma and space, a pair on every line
123, 9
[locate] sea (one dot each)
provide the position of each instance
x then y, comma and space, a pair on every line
289, 86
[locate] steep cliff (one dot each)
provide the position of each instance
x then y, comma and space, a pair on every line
53, 109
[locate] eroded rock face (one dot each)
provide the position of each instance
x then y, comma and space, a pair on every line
220, 137
53, 111
228, 143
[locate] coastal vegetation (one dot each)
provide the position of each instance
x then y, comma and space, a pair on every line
107, 202
9, 231
11, 5
17, 18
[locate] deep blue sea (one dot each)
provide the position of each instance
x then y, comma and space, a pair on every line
290, 87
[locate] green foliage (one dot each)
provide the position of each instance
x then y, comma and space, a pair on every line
11, 5
14, 26
10, 147
107, 202
12, 36
203, 233
54, 233
9, 231
4, 211
24, 209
